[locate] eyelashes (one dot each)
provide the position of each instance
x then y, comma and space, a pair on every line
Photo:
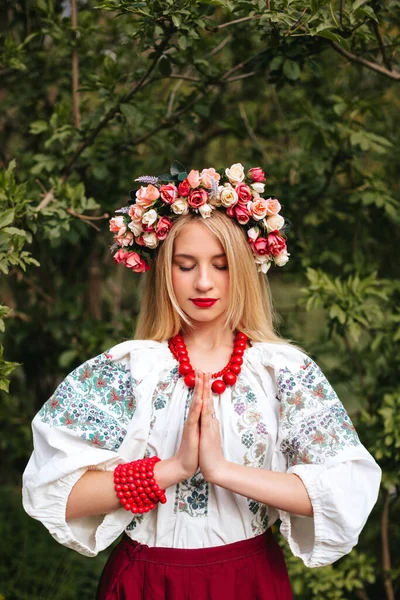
225, 268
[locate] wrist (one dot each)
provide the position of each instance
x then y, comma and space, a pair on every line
169, 472
215, 475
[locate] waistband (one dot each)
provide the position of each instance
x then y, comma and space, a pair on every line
198, 556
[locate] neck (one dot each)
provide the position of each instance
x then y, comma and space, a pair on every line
208, 336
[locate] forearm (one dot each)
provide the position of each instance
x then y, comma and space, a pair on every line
94, 493
284, 491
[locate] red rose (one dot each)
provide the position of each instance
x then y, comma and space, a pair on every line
184, 188
197, 198
240, 212
168, 193
256, 174
276, 243
139, 240
244, 193
260, 246
147, 228
120, 255
163, 226
135, 262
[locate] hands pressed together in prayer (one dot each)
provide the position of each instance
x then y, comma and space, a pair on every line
201, 444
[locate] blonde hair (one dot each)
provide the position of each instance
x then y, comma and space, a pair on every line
250, 309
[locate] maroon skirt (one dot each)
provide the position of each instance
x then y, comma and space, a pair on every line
252, 569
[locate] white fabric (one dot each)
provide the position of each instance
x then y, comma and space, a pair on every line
281, 415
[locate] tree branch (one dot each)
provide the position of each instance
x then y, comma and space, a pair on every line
386, 562
378, 36
366, 63
241, 20
75, 67
252, 135
66, 171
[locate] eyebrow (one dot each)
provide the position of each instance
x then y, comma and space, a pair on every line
191, 256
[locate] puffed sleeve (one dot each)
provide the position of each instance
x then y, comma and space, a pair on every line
83, 426
317, 441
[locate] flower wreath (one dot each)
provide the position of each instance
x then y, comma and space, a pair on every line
140, 227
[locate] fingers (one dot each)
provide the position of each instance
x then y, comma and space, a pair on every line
208, 404
197, 400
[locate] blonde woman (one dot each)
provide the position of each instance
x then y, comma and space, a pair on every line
194, 438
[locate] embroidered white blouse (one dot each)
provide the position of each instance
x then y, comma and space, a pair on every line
130, 402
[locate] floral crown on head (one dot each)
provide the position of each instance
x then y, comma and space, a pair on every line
142, 226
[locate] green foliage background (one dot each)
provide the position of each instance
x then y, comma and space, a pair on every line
309, 91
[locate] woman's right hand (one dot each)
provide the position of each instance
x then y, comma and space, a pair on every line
188, 453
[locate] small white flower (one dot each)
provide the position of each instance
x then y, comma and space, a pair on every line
136, 228
150, 239
258, 187
205, 210
235, 174
180, 207
282, 258
275, 222
263, 263
228, 197
149, 217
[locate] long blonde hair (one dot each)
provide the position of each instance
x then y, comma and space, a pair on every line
250, 308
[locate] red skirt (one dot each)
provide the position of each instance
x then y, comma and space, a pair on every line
252, 569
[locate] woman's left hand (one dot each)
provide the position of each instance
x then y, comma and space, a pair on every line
211, 458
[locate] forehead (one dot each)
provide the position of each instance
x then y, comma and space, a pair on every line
197, 240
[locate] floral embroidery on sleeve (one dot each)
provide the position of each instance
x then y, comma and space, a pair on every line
314, 423
96, 401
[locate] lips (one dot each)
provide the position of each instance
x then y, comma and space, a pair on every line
204, 302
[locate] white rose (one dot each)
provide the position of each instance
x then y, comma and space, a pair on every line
136, 228
282, 258
205, 210
253, 233
228, 197
149, 217
150, 239
180, 207
258, 187
263, 263
275, 222
235, 174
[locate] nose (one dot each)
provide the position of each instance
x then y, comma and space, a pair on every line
204, 280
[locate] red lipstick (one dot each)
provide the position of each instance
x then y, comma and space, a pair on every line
204, 302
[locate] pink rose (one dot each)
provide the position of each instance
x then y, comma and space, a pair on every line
193, 179
244, 193
139, 240
124, 239
260, 246
184, 188
273, 207
168, 193
276, 243
136, 263
148, 228
163, 226
145, 196
116, 223
197, 198
135, 213
207, 176
240, 212
119, 256
256, 174
258, 209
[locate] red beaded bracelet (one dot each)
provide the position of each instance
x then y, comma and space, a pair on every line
136, 487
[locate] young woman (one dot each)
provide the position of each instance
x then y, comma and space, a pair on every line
239, 427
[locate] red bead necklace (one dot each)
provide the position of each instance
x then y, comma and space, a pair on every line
229, 373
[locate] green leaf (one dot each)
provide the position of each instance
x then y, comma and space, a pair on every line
335, 37
276, 63
176, 19
66, 358
176, 168
38, 127
14, 231
164, 66
182, 42
130, 112
7, 217
291, 69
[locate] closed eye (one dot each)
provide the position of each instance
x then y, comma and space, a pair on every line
224, 268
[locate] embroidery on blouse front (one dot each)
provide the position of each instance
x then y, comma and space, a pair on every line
325, 429
96, 400
191, 495
162, 394
253, 436
137, 519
